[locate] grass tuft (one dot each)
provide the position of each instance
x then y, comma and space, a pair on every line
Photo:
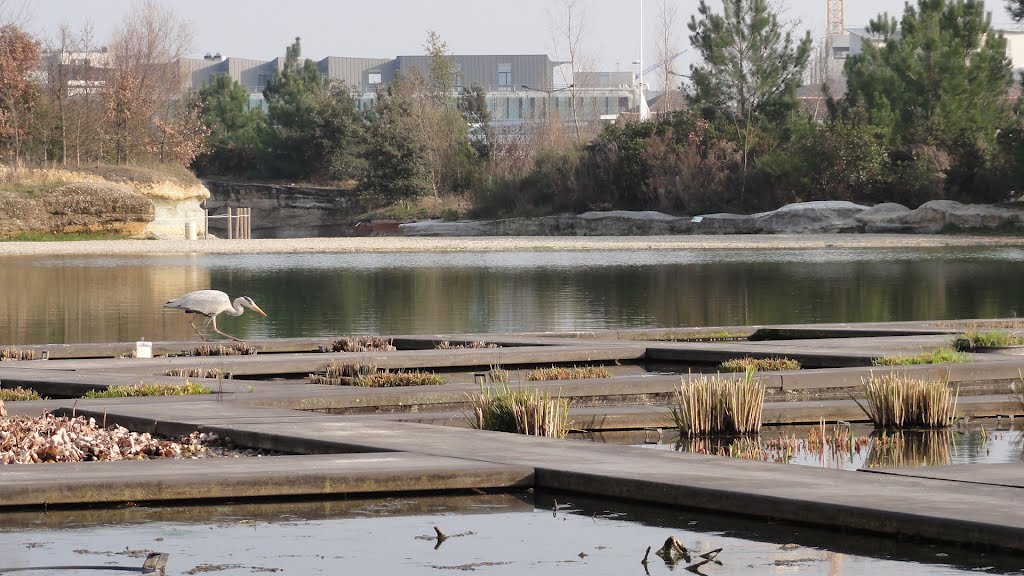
520, 411
367, 375
759, 364
236, 349
131, 390
718, 404
363, 344
897, 401
946, 355
195, 372
563, 373
18, 394
16, 354
446, 345
988, 338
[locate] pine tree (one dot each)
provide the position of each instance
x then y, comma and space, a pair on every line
934, 76
750, 68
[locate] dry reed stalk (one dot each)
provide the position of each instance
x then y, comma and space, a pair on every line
237, 349
195, 372
530, 412
910, 448
719, 405
563, 373
16, 354
897, 401
363, 344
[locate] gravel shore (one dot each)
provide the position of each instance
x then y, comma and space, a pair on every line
496, 243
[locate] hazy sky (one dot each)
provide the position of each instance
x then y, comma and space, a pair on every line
388, 28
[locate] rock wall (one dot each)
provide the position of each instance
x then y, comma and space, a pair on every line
280, 211
800, 218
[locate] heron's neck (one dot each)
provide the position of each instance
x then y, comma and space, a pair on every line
237, 308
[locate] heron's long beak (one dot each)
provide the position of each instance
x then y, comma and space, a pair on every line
258, 309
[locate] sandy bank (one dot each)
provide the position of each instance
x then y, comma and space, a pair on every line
491, 244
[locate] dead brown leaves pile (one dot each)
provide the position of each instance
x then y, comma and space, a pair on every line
49, 438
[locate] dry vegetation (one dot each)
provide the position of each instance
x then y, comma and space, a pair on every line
939, 356
363, 344
367, 375
195, 372
717, 404
521, 411
49, 438
237, 349
16, 354
563, 373
17, 394
897, 401
131, 390
759, 364
446, 345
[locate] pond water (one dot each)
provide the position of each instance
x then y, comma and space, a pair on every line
68, 299
853, 447
544, 534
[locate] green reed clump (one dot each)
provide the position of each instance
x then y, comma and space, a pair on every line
16, 354
236, 349
944, 355
363, 344
759, 364
131, 390
563, 373
18, 393
898, 401
987, 338
355, 374
521, 411
195, 372
717, 404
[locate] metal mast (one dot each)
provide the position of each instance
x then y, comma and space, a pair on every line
835, 18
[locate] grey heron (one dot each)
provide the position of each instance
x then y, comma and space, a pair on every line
210, 303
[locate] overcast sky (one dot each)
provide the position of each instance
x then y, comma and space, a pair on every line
388, 28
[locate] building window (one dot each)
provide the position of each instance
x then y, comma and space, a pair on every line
373, 78
504, 76
261, 81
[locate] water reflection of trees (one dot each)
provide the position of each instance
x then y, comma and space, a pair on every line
74, 302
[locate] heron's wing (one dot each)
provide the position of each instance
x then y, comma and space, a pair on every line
201, 302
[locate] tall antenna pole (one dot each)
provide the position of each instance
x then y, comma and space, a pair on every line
835, 18
645, 112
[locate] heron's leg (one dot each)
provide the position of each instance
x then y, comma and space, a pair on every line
193, 323
217, 330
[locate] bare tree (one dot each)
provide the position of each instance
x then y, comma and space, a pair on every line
569, 30
667, 53
824, 76
145, 78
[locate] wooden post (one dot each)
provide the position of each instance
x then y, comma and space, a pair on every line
206, 228
231, 224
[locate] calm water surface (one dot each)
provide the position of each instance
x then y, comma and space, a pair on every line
56, 299
503, 534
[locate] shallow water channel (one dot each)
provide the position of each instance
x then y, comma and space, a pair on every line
847, 447
68, 299
488, 534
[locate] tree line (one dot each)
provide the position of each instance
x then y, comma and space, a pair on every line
926, 112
